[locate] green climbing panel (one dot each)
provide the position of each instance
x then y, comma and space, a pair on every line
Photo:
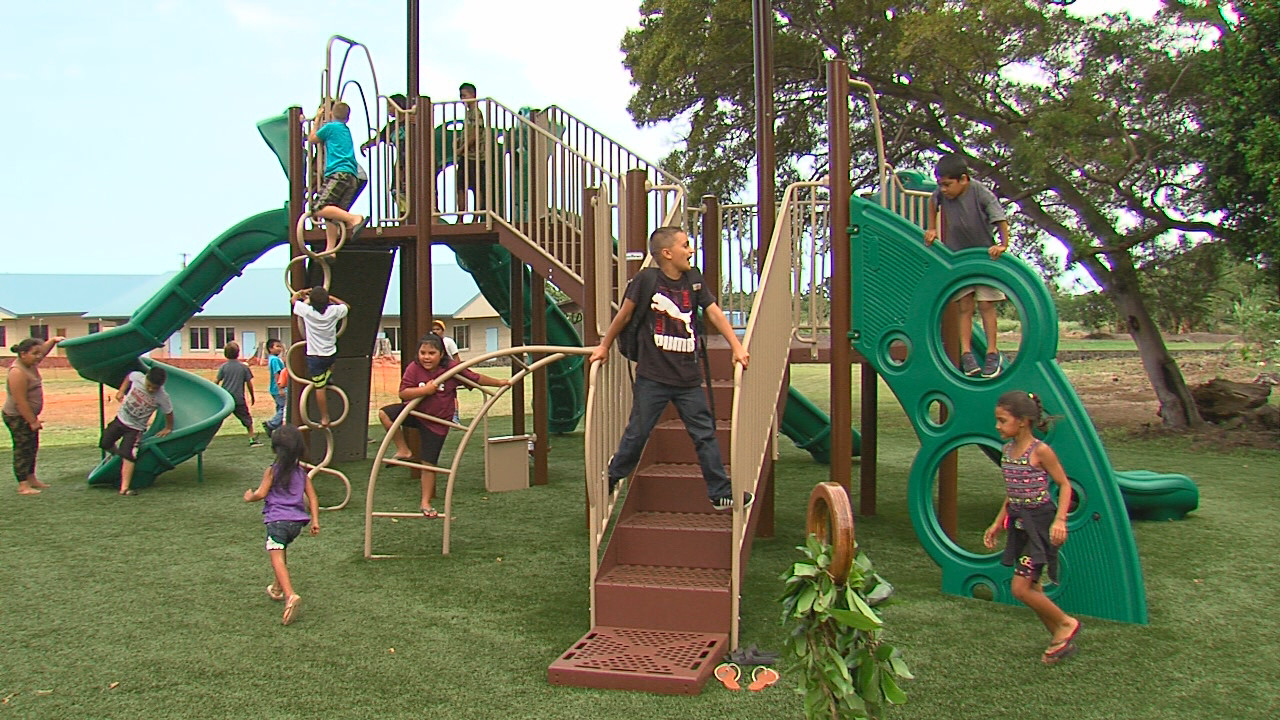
899, 290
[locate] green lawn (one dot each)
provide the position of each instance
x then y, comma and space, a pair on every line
163, 594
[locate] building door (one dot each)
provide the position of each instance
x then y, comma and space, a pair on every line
490, 339
175, 345
249, 344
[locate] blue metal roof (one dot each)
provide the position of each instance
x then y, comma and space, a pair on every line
259, 292
39, 294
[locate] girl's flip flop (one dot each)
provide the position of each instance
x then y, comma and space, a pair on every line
728, 675
762, 677
1057, 655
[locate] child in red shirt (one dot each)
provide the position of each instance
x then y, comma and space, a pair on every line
438, 400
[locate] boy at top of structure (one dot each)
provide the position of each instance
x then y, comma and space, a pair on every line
341, 181
394, 133
471, 150
235, 377
139, 396
970, 211
667, 369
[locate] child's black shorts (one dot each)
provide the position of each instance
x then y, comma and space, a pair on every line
127, 437
242, 414
429, 443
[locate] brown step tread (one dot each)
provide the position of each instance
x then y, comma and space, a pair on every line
666, 577
674, 470
658, 661
653, 520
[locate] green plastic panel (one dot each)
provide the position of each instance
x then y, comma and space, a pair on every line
199, 405
899, 290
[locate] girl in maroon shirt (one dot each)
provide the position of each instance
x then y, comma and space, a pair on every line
438, 400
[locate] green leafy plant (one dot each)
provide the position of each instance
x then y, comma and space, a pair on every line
847, 670
1258, 318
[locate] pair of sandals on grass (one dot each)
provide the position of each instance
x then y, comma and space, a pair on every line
290, 606
730, 673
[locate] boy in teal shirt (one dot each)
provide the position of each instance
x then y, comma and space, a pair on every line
341, 174
278, 381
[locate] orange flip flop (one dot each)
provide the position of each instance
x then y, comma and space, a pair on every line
728, 675
762, 677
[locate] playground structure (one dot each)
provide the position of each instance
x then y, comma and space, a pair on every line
558, 202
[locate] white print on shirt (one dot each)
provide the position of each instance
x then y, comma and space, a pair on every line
662, 303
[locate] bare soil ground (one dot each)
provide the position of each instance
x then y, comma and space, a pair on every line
1114, 390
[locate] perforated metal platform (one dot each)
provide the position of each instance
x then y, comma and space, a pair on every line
677, 663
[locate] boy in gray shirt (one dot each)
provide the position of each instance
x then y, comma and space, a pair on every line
234, 376
139, 396
970, 211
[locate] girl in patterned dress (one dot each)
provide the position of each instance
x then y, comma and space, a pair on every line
1036, 525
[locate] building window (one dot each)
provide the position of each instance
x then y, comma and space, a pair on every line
95, 328
278, 333
199, 338
222, 336
392, 334
40, 332
462, 336
3, 340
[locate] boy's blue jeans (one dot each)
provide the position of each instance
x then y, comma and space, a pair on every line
649, 399
278, 419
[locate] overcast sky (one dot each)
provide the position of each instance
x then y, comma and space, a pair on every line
134, 131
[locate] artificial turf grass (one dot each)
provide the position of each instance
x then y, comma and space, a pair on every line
163, 593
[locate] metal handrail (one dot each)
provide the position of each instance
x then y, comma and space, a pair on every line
755, 403
554, 353
609, 399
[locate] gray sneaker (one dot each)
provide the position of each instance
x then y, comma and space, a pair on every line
969, 364
992, 366
726, 502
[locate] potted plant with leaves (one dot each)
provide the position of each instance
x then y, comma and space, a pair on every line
829, 602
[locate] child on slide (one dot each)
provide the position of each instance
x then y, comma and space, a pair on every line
438, 401
287, 494
1036, 525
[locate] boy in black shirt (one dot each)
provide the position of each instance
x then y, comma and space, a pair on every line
667, 367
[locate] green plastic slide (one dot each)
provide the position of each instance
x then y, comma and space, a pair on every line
899, 290
810, 428
199, 405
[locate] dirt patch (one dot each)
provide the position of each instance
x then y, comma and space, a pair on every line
1115, 393
1118, 396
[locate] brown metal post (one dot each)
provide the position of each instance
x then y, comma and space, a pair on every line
541, 428
841, 282
515, 314
422, 266
637, 221
298, 270
766, 160
413, 31
867, 459
711, 244
949, 468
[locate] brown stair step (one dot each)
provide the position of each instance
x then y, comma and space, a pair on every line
657, 661
660, 597
671, 487
675, 538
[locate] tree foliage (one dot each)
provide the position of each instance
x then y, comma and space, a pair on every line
1240, 139
1086, 126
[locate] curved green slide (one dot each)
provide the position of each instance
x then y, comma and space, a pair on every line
899, 290
199, 406
810, 428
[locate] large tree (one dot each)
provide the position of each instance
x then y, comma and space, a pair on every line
1240, 138
1084, 125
